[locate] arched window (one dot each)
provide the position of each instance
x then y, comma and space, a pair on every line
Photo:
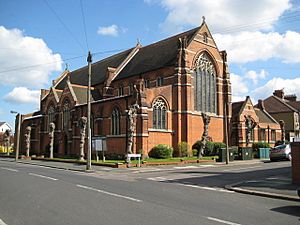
115, 122
66, 115
51, 116
159, 114
205, 84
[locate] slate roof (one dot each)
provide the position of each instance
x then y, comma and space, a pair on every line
151, 57
99, 70
155, 56
274, 104
81, 94
236, 107
295, 104
263, 117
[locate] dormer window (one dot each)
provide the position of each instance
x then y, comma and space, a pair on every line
159, 81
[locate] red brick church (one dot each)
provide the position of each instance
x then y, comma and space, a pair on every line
173, 81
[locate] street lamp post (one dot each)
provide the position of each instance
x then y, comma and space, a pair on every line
19, 116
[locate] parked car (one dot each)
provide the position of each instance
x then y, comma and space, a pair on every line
281, 152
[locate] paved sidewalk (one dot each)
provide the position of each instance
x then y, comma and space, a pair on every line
60, 165
279, 187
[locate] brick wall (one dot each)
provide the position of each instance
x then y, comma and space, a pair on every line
295, 162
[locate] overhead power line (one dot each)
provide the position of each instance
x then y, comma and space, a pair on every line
84, 25
52, 62
65, 26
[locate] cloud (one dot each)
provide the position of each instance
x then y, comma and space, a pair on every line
22, 95
239, 87
221, 14
254, 76
112, 30
18, 55
246, 47
290, 86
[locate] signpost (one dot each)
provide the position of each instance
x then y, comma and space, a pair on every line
99, 145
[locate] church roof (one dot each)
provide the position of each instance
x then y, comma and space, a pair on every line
155, 56
151, 57
98, 70
81, 94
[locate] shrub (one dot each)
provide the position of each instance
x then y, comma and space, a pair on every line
257, 145
161, 151
211, 148
182, 150
217, 147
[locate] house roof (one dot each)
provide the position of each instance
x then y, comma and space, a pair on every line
295, 104
273, 104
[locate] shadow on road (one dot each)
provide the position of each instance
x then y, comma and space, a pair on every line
289, 210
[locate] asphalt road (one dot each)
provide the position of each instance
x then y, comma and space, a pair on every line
179, 195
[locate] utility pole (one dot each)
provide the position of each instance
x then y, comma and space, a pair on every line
89, 138
226, 131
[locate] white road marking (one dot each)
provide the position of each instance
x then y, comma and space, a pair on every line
157, 178
147, 170
109, 193
2, 223
207, 188
222, 221
42, 176
239, 169
184, 167
206, 166
9, 169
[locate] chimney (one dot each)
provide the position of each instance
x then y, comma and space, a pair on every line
279, 93
261, 104
291, 98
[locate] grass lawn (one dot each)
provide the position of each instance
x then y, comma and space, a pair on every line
135, 161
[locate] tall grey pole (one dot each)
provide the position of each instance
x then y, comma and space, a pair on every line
18, 136
226, 131
89, 152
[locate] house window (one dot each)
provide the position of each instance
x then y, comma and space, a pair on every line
205, 84
115, 122
51, 116
273, 135
66, 115
147, 83
159, 114
159, 81
262, 134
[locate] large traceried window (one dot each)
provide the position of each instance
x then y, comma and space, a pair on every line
205, 84
159, 114
115, 122
51, 116
66, 115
